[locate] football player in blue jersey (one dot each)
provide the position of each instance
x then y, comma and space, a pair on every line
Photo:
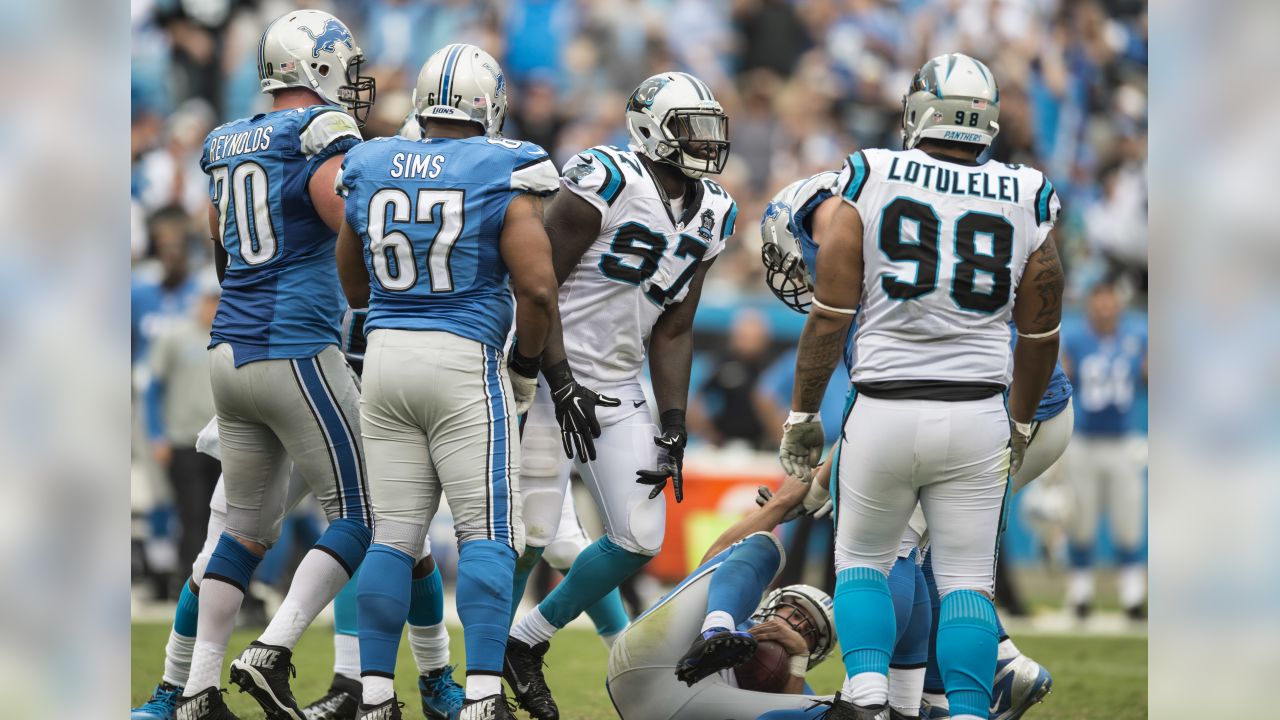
1107, 359
281, 387
789, 253
439, 234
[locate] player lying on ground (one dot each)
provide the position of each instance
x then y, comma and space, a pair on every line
655, 673
633, 232
790, 254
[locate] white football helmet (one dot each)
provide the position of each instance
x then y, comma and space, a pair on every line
784, 268
314, 50
953, 97
462, 82
817, 609
673, 118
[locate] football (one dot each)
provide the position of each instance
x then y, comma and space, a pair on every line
767, 670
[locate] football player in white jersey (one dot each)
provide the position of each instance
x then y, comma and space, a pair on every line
633, 233
935, 252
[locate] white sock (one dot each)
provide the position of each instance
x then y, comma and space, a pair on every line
219, 603
717, 619
610, 639
482, 686
938, 700
1132, 583
177, 658
866, 689
1080, 587
318, 579
430, 645
906, 685
533, 628
966, 717
346, 656
1007, 650
376, 690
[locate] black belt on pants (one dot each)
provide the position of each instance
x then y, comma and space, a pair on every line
944, 390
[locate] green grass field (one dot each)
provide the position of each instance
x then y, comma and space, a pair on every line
1094, 677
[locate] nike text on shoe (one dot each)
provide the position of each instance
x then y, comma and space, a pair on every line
161, 705
388, 710
442, 698
493, 707
716, 650
342, 702
263, 671
522, 668
205, 705
1020, 683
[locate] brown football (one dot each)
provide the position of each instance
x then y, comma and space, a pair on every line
767, 670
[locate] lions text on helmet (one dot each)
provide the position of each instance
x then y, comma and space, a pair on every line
314, 50
462, 83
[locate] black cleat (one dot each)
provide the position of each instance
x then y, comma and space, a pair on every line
522, 668
389, 710
263, 671
717, 649
494, 707
342, 702
204, 705
845, 710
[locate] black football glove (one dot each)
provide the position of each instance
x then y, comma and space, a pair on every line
576, 411
353, 339
671, 462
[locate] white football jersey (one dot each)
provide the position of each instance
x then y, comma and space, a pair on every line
641, 262
944, 247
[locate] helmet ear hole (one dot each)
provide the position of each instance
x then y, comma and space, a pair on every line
322, 69
645, 132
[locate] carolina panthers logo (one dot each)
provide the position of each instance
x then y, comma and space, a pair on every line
333, 33
579, 171
642, 98
708, 222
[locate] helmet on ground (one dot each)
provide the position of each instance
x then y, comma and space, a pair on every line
817, 610
314, 50
953, 97
673, 118
462, 82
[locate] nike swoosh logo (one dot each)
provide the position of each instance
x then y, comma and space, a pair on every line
577, 405
637, 403
995, 702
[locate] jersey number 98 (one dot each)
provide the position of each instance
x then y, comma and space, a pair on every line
394, 262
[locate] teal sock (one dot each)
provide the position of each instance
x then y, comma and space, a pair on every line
967, 642
601, 567
608, 614
864, 620
426, 600
524, 567
344, 607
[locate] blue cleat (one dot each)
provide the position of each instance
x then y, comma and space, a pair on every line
1020, 683
161, 706
934, 711
442, 697
718, 649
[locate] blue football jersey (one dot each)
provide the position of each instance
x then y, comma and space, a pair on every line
429, 214
280, 297
1107, 373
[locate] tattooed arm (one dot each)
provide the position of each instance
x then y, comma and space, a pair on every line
1037, 310
838, 288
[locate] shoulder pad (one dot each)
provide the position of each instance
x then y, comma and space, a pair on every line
321, 128
597, 172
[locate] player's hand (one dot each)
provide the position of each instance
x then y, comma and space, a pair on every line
764, 495
802, 442
576, 411
1019, 438
817, 501
523, 372
671, 463
782, 633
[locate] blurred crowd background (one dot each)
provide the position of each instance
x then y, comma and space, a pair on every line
804, 83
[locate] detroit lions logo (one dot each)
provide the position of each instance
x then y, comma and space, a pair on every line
333, 33
708, 222
643, 96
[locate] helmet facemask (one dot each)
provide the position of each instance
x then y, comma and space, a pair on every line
358, 94
696, 140
786, 276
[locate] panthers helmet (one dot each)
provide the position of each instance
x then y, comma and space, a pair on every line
314, 50
784, 267
953, 97
673, 118
462, 82
816, 606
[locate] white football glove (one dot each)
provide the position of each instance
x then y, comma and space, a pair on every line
523, 388
1019, 438
802, 443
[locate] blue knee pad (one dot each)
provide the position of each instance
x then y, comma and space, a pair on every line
344, 607
737, 585
347, 541
520, 579
188, 612
912, 646
608, 614
601, 567
383, 597
426, 604
485, 571
1079, 557
932, 675
902, 588
967, 641
231, 563
864, 620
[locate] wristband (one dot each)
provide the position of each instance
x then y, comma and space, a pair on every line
1024, 428
799, 665
672, 420
523, 366
558, 375
796, 418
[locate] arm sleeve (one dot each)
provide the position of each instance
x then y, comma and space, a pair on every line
853, 180
325, 134
595, 177
1047, 208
